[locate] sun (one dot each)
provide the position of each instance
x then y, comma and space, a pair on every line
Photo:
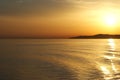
110, 20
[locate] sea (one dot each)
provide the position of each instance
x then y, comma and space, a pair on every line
59, 59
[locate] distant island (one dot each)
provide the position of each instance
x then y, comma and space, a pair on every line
97, 36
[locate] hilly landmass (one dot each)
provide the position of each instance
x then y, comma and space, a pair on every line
97, 36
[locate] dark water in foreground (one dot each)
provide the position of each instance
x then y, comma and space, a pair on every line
61, 59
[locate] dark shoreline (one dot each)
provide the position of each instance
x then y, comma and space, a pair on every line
98, 36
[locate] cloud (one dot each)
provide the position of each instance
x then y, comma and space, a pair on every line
45, 7
25, 7
17, 7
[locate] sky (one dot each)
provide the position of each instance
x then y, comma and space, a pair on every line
58, 18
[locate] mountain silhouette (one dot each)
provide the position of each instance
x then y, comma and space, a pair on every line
97, 36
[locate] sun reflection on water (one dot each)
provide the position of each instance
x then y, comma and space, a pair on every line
105, 70
111, 43
110, 70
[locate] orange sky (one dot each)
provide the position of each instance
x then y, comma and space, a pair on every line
54, 18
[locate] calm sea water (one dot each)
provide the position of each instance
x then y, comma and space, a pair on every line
59, 59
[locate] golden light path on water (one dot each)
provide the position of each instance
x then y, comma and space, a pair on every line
110, 71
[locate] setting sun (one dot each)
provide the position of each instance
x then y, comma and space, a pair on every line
110, 20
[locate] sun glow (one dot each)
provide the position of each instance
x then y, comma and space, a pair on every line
110, 20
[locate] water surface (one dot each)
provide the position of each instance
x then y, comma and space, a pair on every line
59, 59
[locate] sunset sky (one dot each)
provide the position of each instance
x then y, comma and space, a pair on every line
58, 18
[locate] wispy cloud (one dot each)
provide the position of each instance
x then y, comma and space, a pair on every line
42, 7
15, 7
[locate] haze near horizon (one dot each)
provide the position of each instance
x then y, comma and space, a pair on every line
58, 18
